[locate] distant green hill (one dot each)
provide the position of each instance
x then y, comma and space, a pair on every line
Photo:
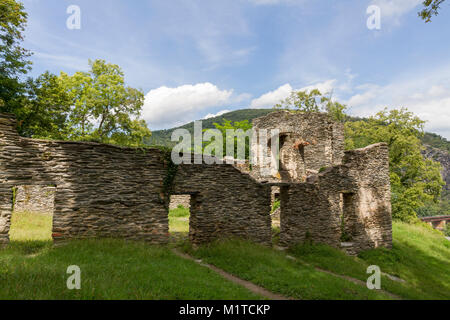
163, 137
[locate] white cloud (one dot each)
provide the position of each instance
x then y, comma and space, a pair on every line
165, 107
324, 87
437, 91
429, 101
271, 98
210, 115
392, 10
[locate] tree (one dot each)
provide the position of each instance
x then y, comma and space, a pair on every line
313, 101
13, 58
45, 108
431, 8
103, 108
415, 181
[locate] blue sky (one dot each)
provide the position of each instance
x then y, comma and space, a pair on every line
198, 58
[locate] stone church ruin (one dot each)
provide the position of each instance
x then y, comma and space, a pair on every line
327, 195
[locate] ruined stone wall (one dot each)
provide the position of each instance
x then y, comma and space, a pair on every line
351, 200
101, 190
225, 203
109, 191
371, 224
308, 142
36, 199
307, 215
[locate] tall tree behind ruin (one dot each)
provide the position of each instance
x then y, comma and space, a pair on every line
13, 58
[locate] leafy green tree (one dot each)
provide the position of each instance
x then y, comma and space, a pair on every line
45, 109
313, 101
431, 8
415, 181
102, 107
13, 58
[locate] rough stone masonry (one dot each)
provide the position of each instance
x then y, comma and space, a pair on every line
108, 191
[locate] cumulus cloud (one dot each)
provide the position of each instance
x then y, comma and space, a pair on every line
430, 102
271, 98
324, 87
211, 115
392, 10
165, 107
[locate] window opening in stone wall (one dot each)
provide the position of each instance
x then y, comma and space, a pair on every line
347, 203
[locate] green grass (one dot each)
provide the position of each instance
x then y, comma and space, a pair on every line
117, 269
179, 220
110, 269
420, 256
30, 226
272, 270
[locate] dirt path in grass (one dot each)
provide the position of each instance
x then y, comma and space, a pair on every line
247, 284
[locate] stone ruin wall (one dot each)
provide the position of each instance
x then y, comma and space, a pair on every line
109, 191
225, 203
353, 198
36, 199
308, 142
101, 190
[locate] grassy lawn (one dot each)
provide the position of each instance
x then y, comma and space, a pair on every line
31, 268
420, 256
110, 269
272, 270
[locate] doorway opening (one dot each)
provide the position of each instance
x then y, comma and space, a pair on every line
179, 215
275, 213
32, 213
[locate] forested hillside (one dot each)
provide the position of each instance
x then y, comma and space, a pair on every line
162, 137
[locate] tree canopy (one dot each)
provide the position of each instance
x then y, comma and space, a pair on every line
102, 107
313, 101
